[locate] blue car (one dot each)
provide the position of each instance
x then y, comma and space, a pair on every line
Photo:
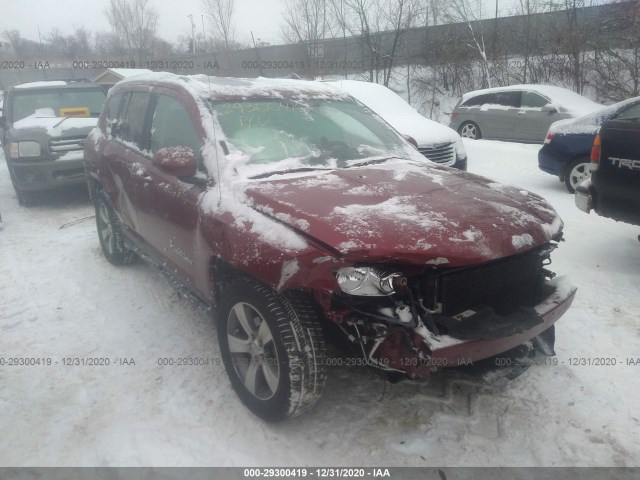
567, 147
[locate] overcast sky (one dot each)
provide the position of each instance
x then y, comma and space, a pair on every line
261, 16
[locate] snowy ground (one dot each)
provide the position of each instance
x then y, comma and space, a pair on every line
59, 298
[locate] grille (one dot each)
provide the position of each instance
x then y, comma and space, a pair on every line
63, 145
503, 284
444, 153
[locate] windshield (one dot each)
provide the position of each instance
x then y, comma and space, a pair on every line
318, 133
58, 103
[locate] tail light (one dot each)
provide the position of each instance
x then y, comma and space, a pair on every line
454, 114
595, 153
549, 137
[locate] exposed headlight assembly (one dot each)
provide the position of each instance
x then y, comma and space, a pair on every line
26, 149
366, 281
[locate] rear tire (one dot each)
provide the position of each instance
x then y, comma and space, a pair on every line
470, 130
577, 171
110, 231
273, 349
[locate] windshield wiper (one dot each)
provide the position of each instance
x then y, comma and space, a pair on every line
65, 118
372, 162
291, 170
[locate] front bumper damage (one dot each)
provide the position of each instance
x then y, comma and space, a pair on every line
449, 351
428, 351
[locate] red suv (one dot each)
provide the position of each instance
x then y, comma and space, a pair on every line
302, 217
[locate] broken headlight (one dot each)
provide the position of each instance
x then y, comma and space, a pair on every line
366, 281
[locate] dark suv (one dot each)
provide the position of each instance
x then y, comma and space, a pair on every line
301, 216
44, 127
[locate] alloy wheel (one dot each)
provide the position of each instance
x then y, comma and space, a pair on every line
253, 351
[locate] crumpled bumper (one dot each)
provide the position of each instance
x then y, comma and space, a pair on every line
450, 352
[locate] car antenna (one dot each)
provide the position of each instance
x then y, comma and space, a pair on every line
215, 141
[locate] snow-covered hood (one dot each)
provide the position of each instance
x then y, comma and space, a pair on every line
55, 126
407, 213
426, 132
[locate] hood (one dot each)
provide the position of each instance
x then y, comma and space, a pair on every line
55, 126
408, 213
426, 132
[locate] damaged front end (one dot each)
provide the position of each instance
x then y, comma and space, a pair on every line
406, 321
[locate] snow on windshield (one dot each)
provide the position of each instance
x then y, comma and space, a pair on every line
315, 132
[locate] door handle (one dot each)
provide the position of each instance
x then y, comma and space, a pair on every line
522, 112
143, 175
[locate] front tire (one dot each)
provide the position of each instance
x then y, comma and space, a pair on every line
110, 231
470, 130
577, 171
273, 349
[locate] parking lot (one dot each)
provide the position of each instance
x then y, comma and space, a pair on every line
61, 300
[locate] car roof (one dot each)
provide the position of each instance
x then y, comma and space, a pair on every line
56, 84
230, 88
575, 102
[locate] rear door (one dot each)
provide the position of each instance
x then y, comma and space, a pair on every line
532, 123
125, 156
496, 115
617, 179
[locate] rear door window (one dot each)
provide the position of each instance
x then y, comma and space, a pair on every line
533, 100
112, 110
131, 121
508, 99
478, 100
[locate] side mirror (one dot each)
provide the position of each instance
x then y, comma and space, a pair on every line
411, 140
178, 161
550, 108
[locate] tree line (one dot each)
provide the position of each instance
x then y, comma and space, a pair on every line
460, 45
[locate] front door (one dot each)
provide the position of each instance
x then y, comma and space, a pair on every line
171, 225
532, 122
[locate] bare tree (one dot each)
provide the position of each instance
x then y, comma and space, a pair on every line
617, 57
135, 23
306, 20
379, 26
470, 13
220, 14
575, 39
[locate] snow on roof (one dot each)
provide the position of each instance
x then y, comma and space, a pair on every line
573, 102
129, 72
378, 97
589, 123
203, 86
397, 112
50, 83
